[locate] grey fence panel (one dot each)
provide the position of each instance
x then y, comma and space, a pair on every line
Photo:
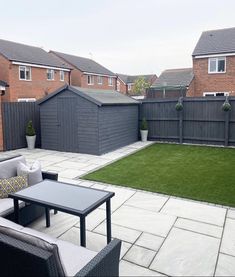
202, 120
15, 117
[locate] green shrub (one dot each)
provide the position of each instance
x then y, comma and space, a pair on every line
144, 124
179, 106
30, 131
226, 107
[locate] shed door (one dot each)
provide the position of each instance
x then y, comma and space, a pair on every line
67, 124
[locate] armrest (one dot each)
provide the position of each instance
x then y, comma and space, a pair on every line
50, 175
105, 263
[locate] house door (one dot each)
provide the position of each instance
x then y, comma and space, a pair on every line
67, 124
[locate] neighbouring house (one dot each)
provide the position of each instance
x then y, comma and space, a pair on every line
214, 64
125, 83
87, 73
172, 83
30, 72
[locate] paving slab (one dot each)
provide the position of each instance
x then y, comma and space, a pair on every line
60, 223
231, 213
185, 253
143, 220
195, 211
225, 266
130, 269
228, 240
147, 201
140, 255
124, 248
119, 232
203, 228
150, 241
71, 173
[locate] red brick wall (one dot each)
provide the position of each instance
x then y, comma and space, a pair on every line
4, 69
104, 85
37, 88
219, 82
123, 87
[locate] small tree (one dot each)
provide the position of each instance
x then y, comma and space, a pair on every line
140, 86
144, 124
30, 131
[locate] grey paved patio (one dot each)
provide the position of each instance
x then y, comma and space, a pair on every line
161, 235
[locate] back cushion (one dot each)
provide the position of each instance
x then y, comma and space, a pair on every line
33, 172
8, 168
25, 236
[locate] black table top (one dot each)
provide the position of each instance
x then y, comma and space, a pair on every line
65, 197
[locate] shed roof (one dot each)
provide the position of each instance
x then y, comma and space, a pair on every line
18, 52
84, 64
216, 42
181, 77
98, 97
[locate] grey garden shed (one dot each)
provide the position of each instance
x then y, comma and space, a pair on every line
81, 120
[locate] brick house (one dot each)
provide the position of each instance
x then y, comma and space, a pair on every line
87, 73
214, 64
30, 72
172, 83
125, 83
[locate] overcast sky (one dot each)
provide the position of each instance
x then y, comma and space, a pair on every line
126, 36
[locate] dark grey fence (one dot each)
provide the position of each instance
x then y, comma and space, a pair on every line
15, 117
202, 120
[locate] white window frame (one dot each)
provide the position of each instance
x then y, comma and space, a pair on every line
205, 94
25, 69
61, 75
91, 78
26, 99
52, 72
100, 80
110, 81
216, 59
129, 87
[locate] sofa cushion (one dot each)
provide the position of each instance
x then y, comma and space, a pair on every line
7, 206
8, 168
74, 257
12, 184
33, 172
7, 223
36, 240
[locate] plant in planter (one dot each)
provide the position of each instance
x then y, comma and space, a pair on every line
226, 107
179, 106
30, 135
144, 130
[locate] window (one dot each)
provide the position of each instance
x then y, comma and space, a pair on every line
208, 94
99, 80
110, 81
90, 80
26, 99
217, 65
25, 73
61, 75
129, 87
50, 74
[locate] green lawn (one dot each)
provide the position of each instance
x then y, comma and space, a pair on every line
196, 172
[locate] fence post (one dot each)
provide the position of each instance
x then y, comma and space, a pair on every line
181, 121
226, 128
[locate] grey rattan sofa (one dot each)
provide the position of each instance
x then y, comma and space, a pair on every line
28, 213
25, 252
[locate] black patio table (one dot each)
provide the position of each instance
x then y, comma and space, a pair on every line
72, 199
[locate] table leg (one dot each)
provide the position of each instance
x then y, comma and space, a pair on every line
47, 211
108, 219
16, 210
83, 231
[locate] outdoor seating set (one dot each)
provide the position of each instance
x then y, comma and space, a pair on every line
27, 252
